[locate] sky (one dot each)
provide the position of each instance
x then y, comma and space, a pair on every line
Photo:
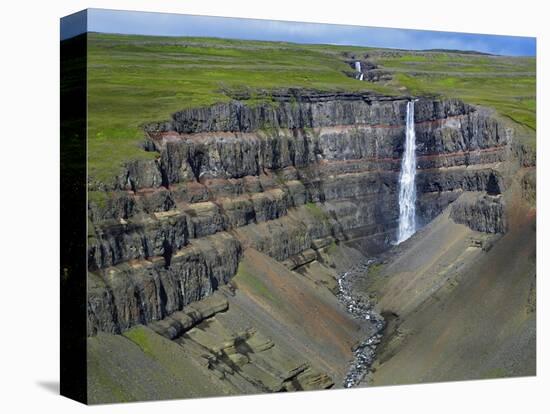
165, 24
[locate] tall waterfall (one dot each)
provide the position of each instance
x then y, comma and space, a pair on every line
407, 188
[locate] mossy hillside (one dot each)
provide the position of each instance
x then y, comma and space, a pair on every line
133, 80
100, 198
141, 337
317, 212
108, 388
507, 84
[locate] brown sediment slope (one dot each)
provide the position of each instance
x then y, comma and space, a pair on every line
303, 316
270, 329
461, 303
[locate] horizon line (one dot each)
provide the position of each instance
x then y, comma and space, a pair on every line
161, 24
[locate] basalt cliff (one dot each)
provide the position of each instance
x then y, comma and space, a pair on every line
293, 189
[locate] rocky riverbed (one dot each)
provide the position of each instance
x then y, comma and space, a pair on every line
360, 308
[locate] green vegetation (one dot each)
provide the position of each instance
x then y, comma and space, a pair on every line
99, 197
317, 211
141, 337
331, 248
102, 380
133, 80
375, 270
507, 84
245, 277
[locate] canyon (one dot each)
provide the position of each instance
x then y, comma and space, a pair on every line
225, 251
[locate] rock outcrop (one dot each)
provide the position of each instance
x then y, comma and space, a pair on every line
480, 212
139, 292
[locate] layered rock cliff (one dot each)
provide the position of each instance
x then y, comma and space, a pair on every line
287, 178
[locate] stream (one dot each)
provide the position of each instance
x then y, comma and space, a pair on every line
364, 353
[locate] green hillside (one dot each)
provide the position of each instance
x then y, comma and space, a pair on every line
133, 80
504, 83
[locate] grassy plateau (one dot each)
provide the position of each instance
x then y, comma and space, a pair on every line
133, 80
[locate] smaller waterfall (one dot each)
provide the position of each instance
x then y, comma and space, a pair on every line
407, 186
358, 70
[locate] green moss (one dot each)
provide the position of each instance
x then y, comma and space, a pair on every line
246, 277
317, 211
100, 198
308, 131
268, 129
279, 178
331, 248
512, 96
141, 338
106, 382
133, 80
102, 379
375, 270
148, 366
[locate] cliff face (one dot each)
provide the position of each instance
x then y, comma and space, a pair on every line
235, 140
285, 178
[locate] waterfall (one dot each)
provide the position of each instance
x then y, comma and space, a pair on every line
358, 70
407, 188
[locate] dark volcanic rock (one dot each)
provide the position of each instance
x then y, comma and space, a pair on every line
301, 112
120, 242
468, 179
234, 140
140, 174
480, 212
146, 291
280, 177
